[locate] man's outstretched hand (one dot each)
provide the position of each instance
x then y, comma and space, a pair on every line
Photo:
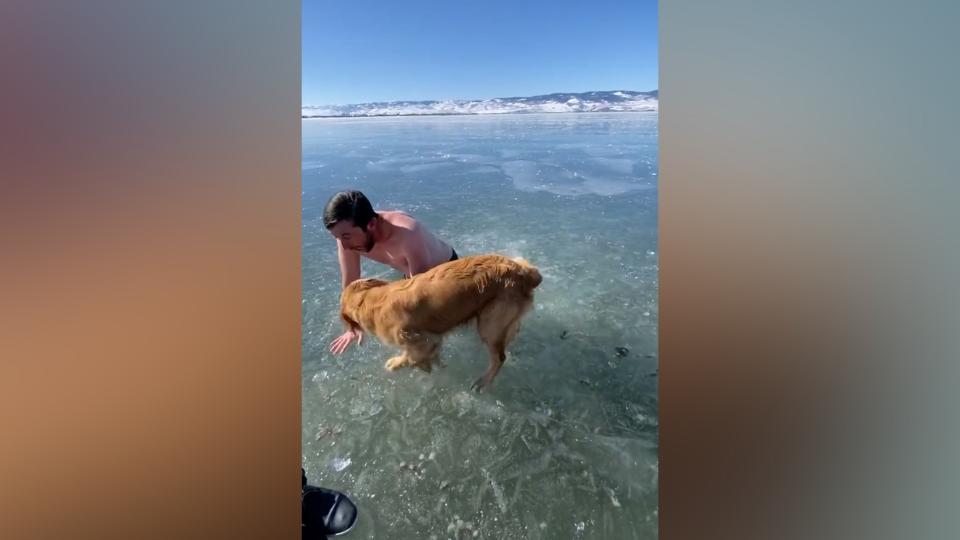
341, 343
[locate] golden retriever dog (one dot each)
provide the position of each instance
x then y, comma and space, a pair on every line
415, 313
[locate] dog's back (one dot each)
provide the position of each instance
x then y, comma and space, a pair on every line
455, 292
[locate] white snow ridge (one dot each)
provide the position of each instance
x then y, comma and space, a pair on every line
618, 101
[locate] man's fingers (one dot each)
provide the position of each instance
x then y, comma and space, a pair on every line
341, 343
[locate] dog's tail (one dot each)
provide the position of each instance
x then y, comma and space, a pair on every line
530, 274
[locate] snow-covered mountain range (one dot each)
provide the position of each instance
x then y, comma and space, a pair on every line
613, 101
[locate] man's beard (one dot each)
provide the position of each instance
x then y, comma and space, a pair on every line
370, 242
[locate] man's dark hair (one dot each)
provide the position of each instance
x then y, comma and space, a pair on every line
348, 205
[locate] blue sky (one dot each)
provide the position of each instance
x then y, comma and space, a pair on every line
358, 51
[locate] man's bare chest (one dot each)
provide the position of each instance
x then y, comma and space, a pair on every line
388, 255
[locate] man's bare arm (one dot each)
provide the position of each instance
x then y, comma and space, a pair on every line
349, 265
349, 272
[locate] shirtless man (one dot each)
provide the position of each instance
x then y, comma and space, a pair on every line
389, 237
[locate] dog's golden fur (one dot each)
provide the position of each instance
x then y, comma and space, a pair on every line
415, 313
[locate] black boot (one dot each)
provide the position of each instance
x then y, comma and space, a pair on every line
324, 511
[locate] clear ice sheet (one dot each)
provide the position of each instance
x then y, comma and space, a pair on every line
564, 444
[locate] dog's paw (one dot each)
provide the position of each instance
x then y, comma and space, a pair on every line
479, 384
395, 363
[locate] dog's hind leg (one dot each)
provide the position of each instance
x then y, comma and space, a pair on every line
498, 325
498, 356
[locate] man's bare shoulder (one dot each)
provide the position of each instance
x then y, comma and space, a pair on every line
399, 219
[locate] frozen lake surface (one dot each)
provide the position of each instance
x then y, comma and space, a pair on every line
564, 443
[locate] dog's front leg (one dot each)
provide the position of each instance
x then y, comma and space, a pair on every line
397, 362
423, 352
